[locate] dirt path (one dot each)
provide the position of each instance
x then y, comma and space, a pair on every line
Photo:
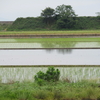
49, 36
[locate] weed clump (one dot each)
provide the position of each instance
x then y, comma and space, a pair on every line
51, 75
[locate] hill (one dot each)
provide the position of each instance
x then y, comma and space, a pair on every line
40, 23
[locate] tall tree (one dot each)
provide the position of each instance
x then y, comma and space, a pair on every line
66, 17
47, 15
48, 12
65, 11
98, 17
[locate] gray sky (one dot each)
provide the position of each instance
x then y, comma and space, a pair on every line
12, 9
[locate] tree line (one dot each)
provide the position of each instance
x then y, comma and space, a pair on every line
61, 18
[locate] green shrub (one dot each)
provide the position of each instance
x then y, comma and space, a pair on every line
51, 74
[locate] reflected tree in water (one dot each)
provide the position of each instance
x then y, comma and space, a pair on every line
61, 51
58, 44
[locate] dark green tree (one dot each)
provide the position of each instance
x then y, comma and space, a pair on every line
48, 12
65, 11
98, 16
66, 18
48, 16
61, 24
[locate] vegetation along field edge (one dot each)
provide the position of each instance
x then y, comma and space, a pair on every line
79, 32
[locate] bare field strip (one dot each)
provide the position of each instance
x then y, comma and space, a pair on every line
50, 36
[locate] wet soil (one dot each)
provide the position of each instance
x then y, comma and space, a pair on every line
49, 36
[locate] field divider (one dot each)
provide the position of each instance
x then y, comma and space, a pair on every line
49, 66
48, 35
43, 48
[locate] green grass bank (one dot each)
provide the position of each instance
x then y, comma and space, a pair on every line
62, 90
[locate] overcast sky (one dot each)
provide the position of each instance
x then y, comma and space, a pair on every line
12, 9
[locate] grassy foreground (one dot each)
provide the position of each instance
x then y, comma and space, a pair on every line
77, 32
84, 90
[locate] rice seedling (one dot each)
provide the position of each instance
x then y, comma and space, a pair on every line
49, 32
73, 74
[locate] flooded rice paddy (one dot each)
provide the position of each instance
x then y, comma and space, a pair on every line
52, 45
50, 57
27, 74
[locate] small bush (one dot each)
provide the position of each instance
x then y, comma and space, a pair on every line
51, 74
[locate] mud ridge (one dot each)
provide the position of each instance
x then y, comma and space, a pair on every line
49, 36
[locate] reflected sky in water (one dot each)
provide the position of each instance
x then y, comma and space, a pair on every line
50, 57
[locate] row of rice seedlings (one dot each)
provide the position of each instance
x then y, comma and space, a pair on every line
50, 45
20, 45
87, 44
8, 40
54, 40
27, 74
51, 32
18, 74
78, 74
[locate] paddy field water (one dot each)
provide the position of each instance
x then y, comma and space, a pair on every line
50, 43
50, 57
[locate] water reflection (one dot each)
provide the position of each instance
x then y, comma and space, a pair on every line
53, 44
60, 44
60, 51
53, 57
